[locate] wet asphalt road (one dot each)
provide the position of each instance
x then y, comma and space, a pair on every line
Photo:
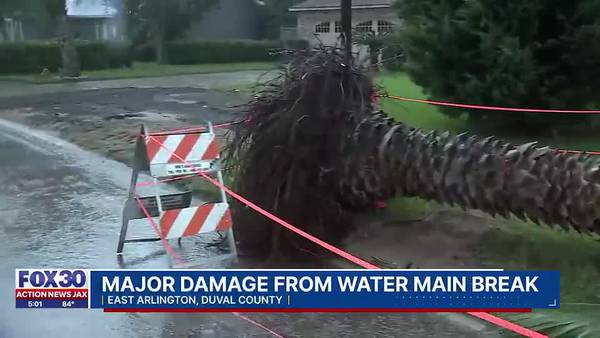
60, 207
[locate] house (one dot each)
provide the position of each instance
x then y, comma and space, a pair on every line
95, 20
99, 20
318, 21
90, 20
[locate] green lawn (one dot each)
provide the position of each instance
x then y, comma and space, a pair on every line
429, 117
516, 244
412, 113
150, 69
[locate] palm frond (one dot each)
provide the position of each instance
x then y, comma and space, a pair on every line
568, 322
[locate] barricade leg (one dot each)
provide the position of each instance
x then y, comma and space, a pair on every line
229, 234
232, 246
122, 236
129, 208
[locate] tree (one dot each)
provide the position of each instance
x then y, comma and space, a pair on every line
535, 54
162, 20
276, 15
316, 152
56, 11
375, 42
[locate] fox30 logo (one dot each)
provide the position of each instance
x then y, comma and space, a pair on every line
51, 278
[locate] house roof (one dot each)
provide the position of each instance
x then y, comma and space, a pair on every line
90, 9
323, 5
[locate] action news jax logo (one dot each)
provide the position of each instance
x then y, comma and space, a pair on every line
51, 288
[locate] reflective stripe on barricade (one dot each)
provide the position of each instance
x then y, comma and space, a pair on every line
207, 218
198, 150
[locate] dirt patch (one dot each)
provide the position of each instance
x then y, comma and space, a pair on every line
107, 121
444, 239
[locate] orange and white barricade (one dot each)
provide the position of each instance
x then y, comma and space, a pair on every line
169, 156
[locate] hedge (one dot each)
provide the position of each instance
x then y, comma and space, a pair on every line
193, 52
33, 57
144, 53
296, 44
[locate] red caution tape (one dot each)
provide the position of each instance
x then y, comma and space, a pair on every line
194, 129
507, 325
480, 107
239, 315
482, 315
164, 242
585, 152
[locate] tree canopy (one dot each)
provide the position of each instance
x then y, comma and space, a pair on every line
276, 15
159, 20
535, 54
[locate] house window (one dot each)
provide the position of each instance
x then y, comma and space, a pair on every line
113, 32
13, 29
366, 26
99, 30
384, 26
106, 30
323, 27
338, 27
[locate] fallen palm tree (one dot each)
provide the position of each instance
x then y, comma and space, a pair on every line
315, 151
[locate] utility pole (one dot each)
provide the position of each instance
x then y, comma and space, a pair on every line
347, 30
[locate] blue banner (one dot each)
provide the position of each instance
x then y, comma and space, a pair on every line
323, 290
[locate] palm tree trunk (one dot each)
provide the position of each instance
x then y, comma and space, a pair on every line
472, 172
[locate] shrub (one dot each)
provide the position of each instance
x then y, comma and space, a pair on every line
34, 56
28, 57
534, 54
193, 52
393, 54
296, 44
97, 55
144, 53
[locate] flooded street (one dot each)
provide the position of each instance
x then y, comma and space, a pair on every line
60, 206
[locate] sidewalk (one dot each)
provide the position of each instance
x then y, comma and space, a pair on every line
229, 80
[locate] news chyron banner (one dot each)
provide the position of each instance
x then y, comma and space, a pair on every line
287, 290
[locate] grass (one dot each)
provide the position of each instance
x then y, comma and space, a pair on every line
515, 244
429, 117
414, 114
148, 69
522, 245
